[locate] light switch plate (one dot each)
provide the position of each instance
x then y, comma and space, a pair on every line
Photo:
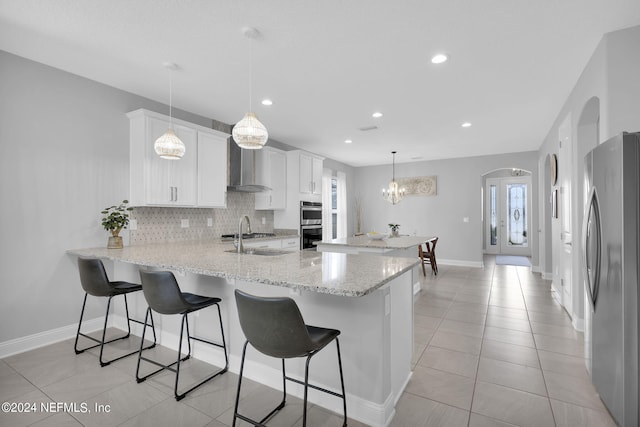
209, 222
133, 224
184, 223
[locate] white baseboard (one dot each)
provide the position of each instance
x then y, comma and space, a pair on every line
578, 324
41, 339
459, 263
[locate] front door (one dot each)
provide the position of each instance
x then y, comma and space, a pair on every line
508, 208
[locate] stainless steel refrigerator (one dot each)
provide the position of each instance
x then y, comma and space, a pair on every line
611, 236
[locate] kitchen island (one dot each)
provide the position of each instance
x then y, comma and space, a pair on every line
402, 246
369, 301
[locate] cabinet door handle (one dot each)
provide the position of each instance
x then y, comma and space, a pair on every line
176, 199
171, 194
270, 200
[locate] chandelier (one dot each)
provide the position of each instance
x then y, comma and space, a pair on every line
394, 193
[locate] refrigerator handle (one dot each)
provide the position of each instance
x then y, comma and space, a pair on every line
592, 211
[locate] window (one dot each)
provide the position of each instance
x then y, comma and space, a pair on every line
334, 207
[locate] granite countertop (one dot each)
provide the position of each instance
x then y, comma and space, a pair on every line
391, 243
322, 272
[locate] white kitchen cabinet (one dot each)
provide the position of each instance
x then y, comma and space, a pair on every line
212, 170
199, 178
288, 243
263, 244
310, 174
291, 243
271, 171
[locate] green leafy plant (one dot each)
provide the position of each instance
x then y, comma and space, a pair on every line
394, 227
116, 217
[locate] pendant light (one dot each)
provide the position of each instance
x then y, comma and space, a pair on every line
249, 132
394, 194
169, 146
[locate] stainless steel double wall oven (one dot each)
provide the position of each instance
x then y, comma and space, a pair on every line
310, 224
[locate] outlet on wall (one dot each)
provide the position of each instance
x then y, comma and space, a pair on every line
209, 222
264, 220
133, 224
184, 223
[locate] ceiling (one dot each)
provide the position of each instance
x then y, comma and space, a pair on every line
328, 65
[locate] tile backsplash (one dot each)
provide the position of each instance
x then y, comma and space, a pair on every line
163, 224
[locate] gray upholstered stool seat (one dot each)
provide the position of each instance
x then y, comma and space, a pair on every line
164, 296
95, 282
274, 326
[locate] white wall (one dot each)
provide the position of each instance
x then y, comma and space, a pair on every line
611, 75
65, 145
458, 185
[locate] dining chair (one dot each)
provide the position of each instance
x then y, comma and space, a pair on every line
428, 255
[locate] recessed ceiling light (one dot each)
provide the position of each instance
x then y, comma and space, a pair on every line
466, 125
439, 58
348, 141
267, 102
377, 114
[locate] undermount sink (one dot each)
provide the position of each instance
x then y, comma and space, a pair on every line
261, 251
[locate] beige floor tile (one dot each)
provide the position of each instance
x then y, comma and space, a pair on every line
465, 316
462, 328
514, 313
509, 336
456, 342
469, 306
416, 411
510, 353
168, 413
118, 404
422, 335
477, 420
568, 415
86, 385
12, 384
561, 319
320, 417
260, 402
559, 345
475, 299
15, 418
455, 362
427, 322
418, 349
52, 363
512, 406
58, 420
443, 387
579, 391
556, 331
508, 323
508, 374
563, 364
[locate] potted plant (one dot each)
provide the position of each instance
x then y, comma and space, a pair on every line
394, 229
115, 219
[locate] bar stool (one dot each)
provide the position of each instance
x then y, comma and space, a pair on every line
274, 326
93, 278
163, 295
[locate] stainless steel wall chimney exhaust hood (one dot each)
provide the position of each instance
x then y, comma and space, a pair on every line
242, 170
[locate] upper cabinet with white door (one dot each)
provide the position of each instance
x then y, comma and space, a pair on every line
271, 171
310, 173
197, 179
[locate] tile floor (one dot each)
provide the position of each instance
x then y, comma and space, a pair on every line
492, 348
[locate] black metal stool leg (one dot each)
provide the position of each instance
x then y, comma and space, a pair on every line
104, 333
344, 395
75, 346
